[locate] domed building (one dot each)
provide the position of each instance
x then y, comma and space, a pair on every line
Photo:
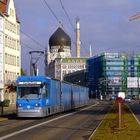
59, 44
59, 38
58, 56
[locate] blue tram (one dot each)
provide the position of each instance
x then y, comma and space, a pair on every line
40, 96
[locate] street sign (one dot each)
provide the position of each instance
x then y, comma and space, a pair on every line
119, 100
132, 82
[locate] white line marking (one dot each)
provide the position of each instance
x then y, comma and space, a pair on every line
134, 115
91, 136
37, 125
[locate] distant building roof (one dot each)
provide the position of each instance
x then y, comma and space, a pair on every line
3, 8
59, 38
74, 59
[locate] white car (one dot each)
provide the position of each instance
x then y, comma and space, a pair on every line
127, 99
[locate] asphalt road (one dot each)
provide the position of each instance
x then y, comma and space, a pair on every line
135, 107
77, 125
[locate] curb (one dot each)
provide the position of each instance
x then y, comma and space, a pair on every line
3, 119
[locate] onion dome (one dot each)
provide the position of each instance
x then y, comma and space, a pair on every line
59, 38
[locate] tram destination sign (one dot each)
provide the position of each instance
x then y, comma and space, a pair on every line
29, 83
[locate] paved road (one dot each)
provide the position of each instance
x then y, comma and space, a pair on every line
73, 126
135, 107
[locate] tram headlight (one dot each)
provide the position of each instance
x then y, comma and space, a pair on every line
19, 105
37, 104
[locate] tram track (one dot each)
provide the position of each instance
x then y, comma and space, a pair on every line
52, 125
88, 123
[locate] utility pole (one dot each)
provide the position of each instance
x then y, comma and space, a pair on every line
61, 105
33, 61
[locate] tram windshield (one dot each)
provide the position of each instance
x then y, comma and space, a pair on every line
29, 92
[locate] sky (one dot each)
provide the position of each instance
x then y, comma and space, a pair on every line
104, 24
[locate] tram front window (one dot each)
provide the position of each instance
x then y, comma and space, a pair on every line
28, 92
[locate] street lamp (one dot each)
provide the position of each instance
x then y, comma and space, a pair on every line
96, 93
100, 84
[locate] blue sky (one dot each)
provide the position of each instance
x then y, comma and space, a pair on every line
104, 24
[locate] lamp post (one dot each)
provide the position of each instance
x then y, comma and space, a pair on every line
61, 109
100, 84
96, 93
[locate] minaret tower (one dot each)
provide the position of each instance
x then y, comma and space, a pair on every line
78, 37
90, 51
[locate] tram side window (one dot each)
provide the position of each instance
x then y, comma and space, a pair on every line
45, 91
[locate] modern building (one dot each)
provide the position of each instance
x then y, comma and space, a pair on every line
78, 77
110, 73
10, 51
58, 56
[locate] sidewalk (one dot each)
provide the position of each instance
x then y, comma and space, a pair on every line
6, 111
10, 109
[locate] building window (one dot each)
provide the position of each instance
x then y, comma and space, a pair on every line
18, 45
18, 29
18, 61
11, 12
6, 58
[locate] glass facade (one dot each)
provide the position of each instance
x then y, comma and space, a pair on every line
108, 73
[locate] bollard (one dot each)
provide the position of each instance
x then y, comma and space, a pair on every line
120, 116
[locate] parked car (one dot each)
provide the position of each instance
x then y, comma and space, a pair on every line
113, 97
127, 99
134, 97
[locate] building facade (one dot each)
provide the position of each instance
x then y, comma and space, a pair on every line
10, 51
59, 61
78, 77
110, 73
65, 66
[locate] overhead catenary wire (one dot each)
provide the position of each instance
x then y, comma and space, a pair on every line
49, 7
25, 45
66, 13
40, 45
68, 17
85, 48
60, 22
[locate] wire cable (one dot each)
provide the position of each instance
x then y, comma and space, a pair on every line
68, 17
46, 3
66, 13
33, 39
25, 45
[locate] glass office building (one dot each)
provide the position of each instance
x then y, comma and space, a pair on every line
110, 73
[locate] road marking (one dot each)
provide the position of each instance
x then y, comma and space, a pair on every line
134, 115
37, 125
91, 136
